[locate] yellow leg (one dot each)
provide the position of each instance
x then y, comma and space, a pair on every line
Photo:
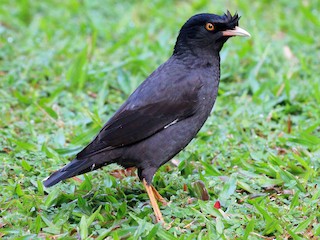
158, 196
153, 202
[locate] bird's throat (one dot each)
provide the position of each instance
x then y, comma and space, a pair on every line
199, 59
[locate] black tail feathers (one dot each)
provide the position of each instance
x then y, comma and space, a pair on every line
74, 168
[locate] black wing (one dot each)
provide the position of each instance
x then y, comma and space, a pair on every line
146, 113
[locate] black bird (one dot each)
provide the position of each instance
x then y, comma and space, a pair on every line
166, 111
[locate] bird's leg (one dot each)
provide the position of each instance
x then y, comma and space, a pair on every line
158, 196
153, 202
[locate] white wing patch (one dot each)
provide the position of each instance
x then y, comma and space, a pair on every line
174, 122
93, 166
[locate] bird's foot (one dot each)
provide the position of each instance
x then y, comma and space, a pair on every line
153, 202
158, 196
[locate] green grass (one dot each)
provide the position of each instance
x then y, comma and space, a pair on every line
66, 66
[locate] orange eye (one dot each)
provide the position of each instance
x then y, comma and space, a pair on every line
209, 26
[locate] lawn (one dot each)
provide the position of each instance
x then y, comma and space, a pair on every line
66, 66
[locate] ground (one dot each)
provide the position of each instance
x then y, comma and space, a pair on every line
251, 173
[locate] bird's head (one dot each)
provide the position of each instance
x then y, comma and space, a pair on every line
207, 32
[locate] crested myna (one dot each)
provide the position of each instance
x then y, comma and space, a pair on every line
166, 111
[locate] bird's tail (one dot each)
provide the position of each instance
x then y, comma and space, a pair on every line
74, 168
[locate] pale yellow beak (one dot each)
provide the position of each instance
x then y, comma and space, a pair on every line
237, 31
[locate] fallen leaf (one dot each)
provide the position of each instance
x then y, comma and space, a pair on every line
122, 173
281, 151
288, 53
77, 179
217, 205
289, 123
175, 162
200, 190
185, 187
